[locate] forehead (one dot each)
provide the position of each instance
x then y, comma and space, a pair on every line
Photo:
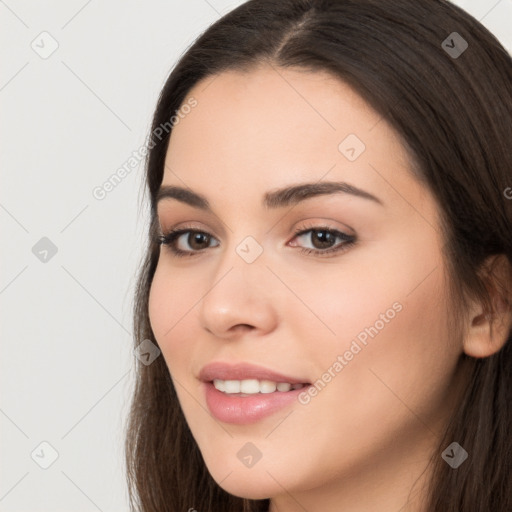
267, 100
271, 126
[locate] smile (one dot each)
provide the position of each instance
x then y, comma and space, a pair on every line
253, 386
245, 393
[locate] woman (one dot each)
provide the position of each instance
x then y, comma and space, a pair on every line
328, 271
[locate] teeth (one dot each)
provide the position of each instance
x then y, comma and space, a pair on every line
231, 386
249, 386
253, 386
267, 386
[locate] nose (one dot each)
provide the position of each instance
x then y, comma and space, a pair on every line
238, 298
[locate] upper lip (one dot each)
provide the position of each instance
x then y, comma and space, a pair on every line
243, 371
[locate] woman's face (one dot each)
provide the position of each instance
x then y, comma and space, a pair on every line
361, 318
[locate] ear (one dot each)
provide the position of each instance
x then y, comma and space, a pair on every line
489, 330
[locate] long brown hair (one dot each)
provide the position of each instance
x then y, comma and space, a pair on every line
452, 108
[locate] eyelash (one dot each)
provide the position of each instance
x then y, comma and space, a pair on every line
169, 238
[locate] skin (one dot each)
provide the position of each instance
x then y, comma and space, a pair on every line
364, 441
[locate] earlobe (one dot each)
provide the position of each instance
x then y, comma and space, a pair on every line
489, 331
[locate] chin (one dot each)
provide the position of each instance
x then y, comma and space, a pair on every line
250, 483
252, 490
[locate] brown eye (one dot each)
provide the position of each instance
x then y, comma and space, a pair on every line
323, 240
195, 240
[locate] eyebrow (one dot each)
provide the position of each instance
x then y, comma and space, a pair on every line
274, 199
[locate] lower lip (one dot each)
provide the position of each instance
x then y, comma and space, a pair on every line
242, 410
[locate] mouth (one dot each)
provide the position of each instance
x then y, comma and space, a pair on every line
246, 374
245, 393
249, 387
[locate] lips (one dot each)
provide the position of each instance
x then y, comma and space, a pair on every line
243, 371
240, 408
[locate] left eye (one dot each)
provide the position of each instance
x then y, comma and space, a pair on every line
323, 240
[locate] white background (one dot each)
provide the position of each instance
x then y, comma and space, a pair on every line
68, 122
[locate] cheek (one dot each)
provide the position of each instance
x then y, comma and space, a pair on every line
338, 303
171, 309
388, 320
398, 381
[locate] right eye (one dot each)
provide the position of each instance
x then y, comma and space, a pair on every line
190, 237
